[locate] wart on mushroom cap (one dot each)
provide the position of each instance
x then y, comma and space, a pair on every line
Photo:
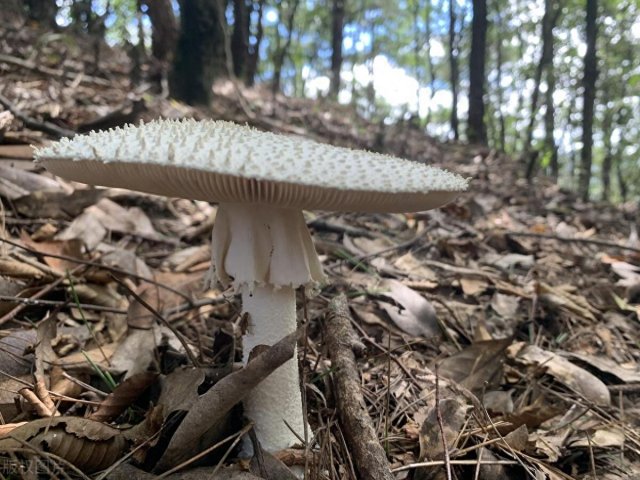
261, 245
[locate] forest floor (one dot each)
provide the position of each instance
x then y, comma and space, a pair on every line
507, 321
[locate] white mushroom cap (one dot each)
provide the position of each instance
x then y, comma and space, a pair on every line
223, 162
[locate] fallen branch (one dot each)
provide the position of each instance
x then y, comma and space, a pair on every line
213, 406
20, 62
368, 455
592, 241
32, 123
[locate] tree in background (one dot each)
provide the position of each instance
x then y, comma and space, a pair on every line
43, 11
254, 47
453, 70
551, 13
164, 36
200, 54
476, 129
589, 97
337, 30
281, 50
240, 37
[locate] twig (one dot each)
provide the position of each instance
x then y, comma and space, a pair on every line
55, 303
33, 124
400, 246
98, 266
320, 224
19, 62
437, 463
559, 238
214, 405
445, 447
46, 289
368, 455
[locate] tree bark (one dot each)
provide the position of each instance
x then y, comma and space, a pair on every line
453, 68
499, 61
199, 55
432, 75
622, 183
240, 37
337, 32
476, 129
282, 50
417, 45
589, 85
254, 50
164, 29
42, 11
551, 13
551, 148
164, 37
607, 161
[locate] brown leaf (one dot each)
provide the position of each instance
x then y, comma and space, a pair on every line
16, 269
472, 286
505, 305
89, 445
68, 248
477, 366
16, 183
563, 371
213, 406
56, 205
628, 373
415, 315
123, 396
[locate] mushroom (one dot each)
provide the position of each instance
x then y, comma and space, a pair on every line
260, 242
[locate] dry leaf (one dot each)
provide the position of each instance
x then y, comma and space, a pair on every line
505, 305
562, 370
629, 373
123, 396
89, 445
477, 366
415, 315
472, 286
603, 437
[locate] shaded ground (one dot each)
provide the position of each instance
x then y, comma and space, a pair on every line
524, 301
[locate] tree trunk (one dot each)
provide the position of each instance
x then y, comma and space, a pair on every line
164, 29
522, 75
607, 160
551, 148
499, 61
337, 32
254, 50
164, 36
622, 183
432, 76
589, 85
42, 11
199, 55
417, 44
281, 52
453, 67
240, 37
476, 129
549, 20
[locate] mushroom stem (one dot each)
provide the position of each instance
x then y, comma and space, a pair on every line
272, 315
266, 252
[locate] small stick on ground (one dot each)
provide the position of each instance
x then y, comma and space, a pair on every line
368, 455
